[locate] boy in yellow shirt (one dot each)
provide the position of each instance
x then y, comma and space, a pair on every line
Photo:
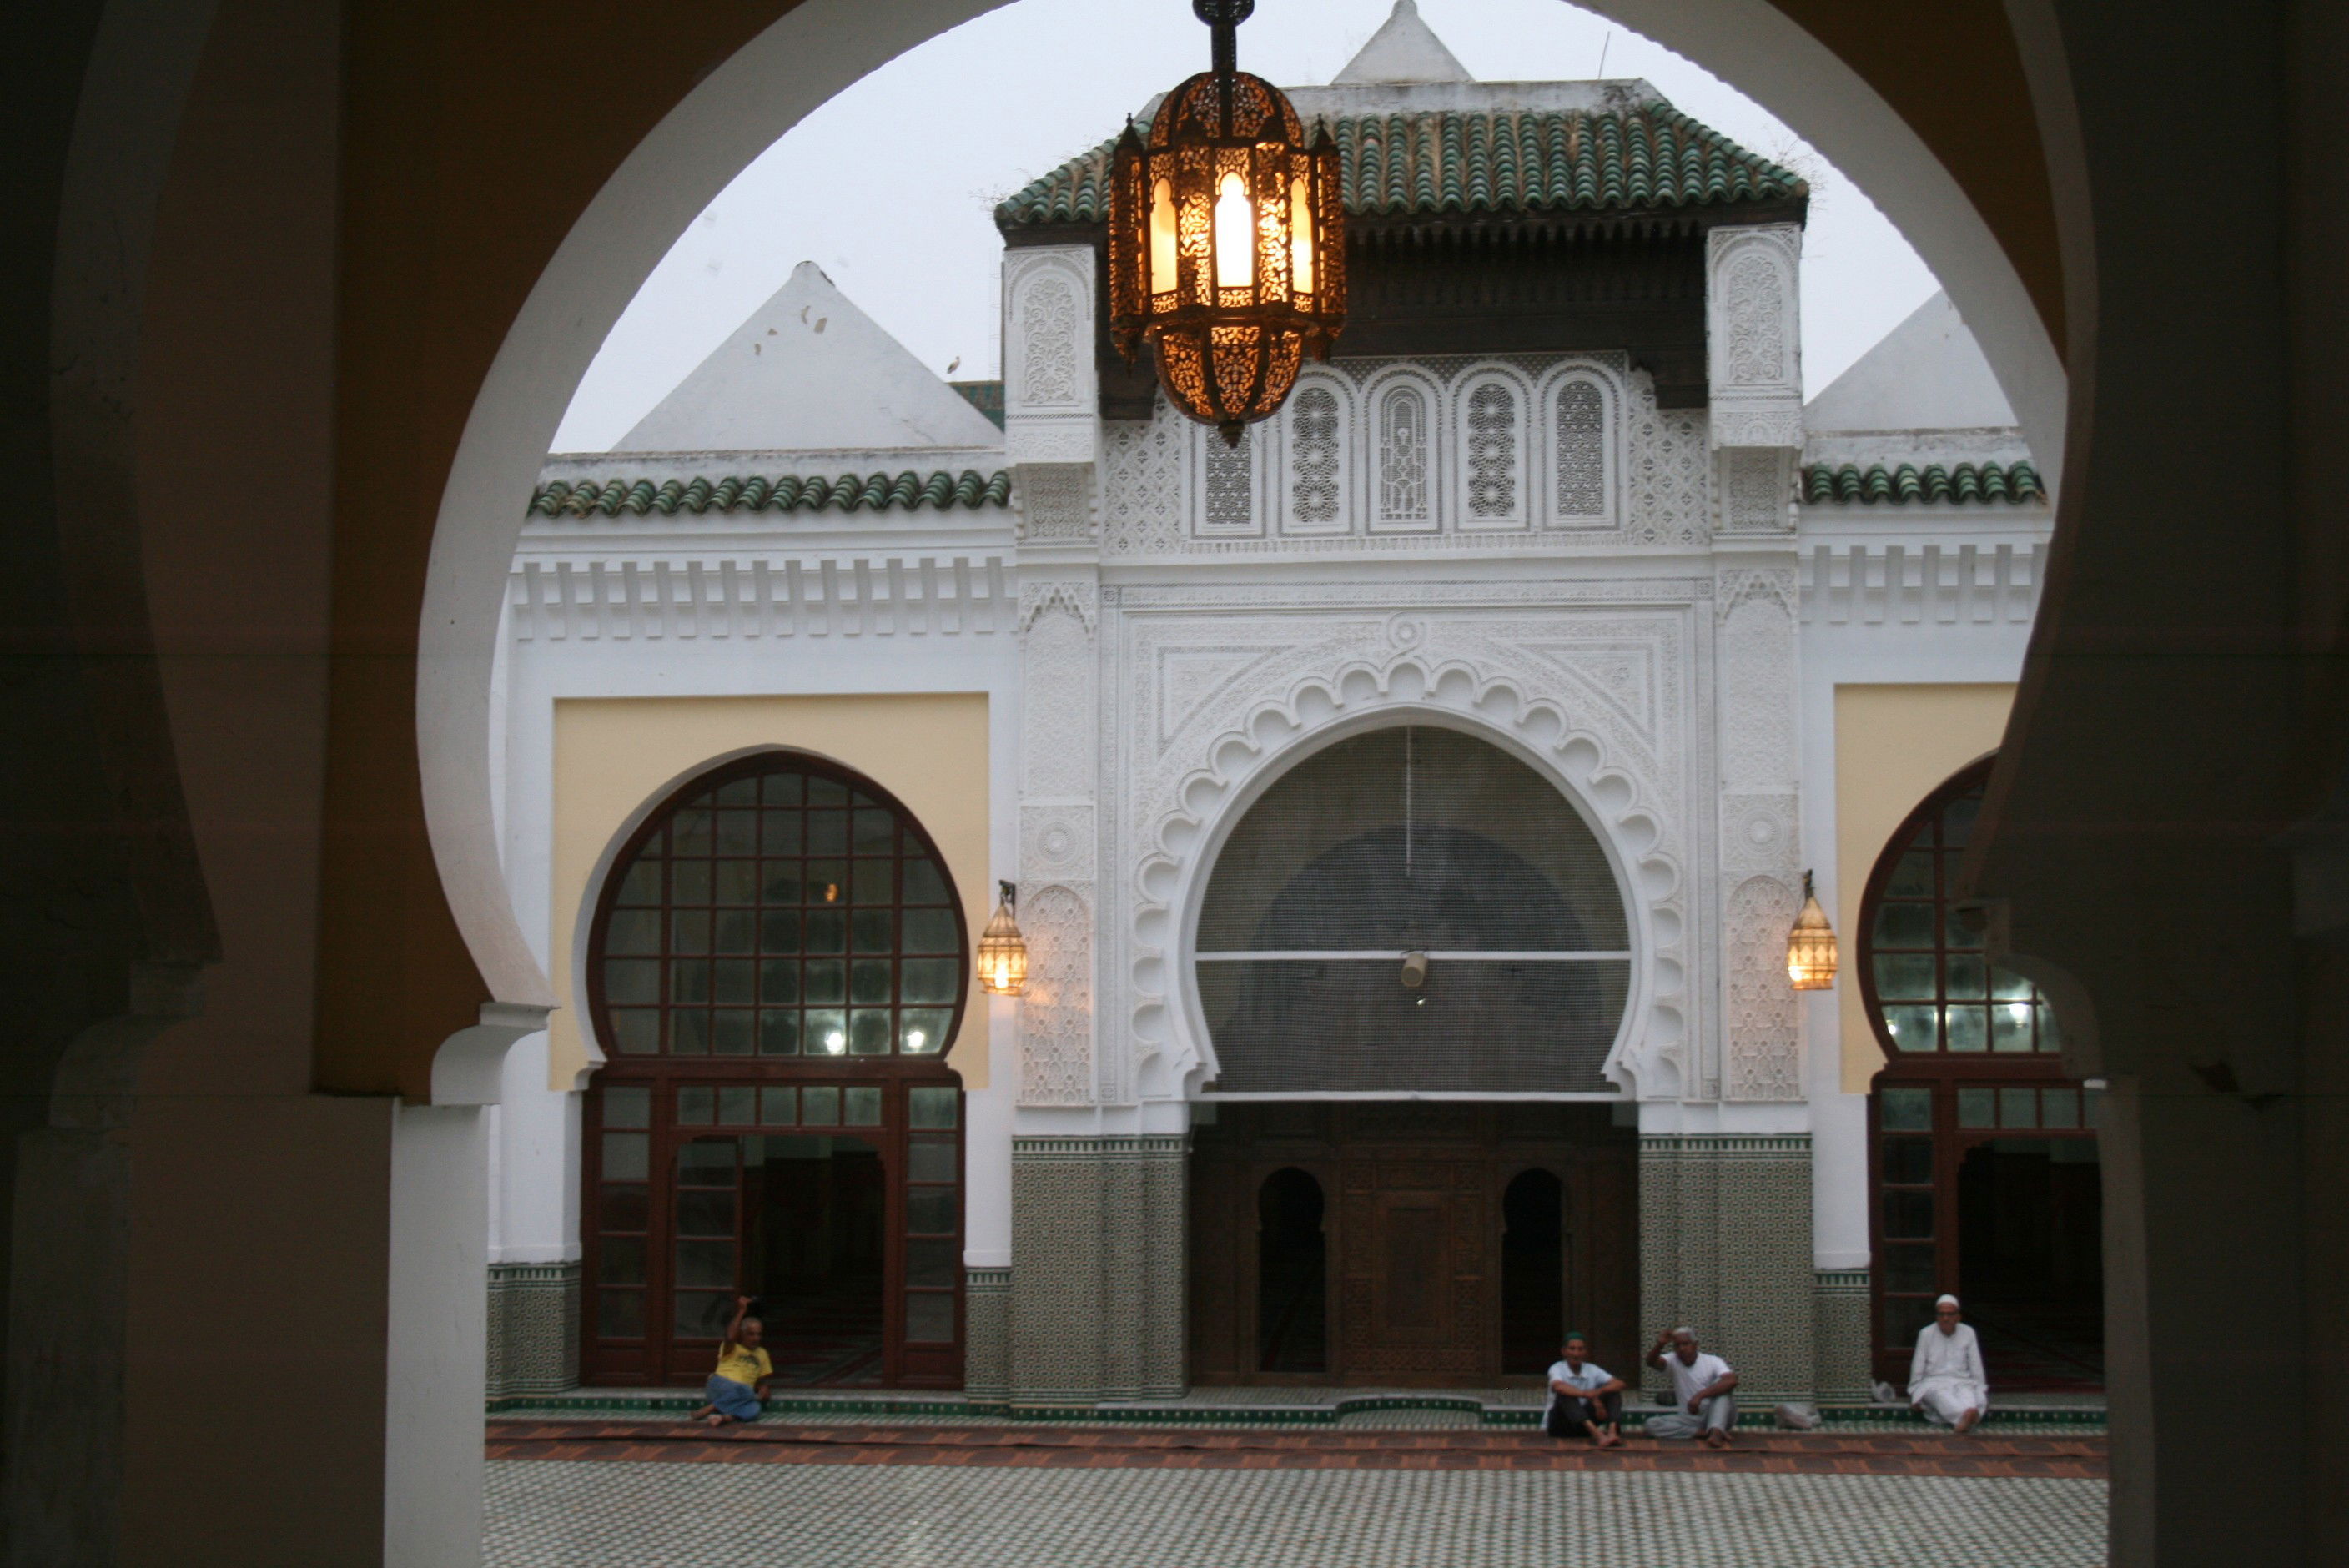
737, 1391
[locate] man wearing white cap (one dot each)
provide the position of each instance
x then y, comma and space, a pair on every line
1945, 1379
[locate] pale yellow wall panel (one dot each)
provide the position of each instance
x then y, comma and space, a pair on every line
1893, 745
614, 757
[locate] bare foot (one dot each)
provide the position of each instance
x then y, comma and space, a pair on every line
1966, 1422
1714, 1438
715, 1419
1610, 1441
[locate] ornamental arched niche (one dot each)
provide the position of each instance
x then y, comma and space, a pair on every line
1318, 481
1385, 839
1552, 720
1404, 449
1578, 447
1492, 410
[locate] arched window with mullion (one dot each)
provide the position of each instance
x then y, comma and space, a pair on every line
1925, 980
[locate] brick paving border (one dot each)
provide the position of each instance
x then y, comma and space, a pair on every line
1027, 1446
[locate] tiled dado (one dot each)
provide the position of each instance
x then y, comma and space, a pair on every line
1726, 1248
533, 1322
1096, 1296
1839, 1336
987, 1336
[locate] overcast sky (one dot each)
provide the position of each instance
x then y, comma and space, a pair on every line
890, 186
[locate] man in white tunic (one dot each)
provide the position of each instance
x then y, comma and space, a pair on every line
1584, 1397
1945, 1379
1701, 1387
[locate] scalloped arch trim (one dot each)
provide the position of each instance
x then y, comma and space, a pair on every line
1648, 1059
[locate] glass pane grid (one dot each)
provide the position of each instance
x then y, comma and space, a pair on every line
781, 914
1933, 989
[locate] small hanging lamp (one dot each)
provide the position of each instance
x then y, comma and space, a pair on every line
1003, 951
1227, 239
1811, 945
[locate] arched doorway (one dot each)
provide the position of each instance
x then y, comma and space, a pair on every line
777, 964
1987, 1181
1292, 1317
1413, 956
1533, 1271
1413, 839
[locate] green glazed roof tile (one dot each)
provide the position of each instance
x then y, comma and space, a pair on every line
1429, 162
907, 492
1901, 484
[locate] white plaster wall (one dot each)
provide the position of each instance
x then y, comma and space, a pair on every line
1854, 654
534, 1135
538, 1190
437, 1333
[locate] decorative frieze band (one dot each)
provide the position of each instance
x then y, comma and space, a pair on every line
1938, 584
559, 601
1129, 1146
1725, 1146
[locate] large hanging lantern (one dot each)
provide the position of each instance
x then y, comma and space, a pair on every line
1811, 945
1227, 239
1003, 951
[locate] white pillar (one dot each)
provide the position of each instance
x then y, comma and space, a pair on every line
437, 1327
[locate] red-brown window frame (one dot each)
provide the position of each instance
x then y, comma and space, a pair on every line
1942, 1073
660, 1356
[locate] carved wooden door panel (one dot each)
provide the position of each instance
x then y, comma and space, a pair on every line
1417, 1267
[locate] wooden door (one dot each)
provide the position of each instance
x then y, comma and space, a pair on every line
1417, 1261
1413, 1232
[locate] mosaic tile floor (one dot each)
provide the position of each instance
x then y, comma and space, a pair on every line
573, 1515
1098, 1448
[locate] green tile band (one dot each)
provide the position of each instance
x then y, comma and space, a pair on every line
1492, 160
907, 492
1905, 483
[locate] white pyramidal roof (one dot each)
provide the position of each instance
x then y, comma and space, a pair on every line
809, 371
1403, 50
1926, 374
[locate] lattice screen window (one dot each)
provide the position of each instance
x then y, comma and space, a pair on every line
1492, 454
1413, 841
1404, 456
1314, 457
1229, 492
1581, 451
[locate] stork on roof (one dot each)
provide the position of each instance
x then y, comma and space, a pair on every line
1405, 49
809, 371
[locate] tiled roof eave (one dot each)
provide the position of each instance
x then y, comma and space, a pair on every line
1651, 159
1929, 484
587, 501
1666, 217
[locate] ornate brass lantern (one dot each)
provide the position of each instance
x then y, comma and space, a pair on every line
1811, 945
1227, 239
1003, 951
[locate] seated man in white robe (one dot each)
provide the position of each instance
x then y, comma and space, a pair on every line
1701, 1388
1946, 1380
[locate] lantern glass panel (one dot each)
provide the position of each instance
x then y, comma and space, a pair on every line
1301, 237
1162, 238
1234, 234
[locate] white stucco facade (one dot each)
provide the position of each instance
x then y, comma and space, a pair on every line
1652, 606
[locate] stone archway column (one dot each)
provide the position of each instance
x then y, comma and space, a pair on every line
1725, 1180
1093, 1306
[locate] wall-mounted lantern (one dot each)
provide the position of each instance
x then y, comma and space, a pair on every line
1003, 951
1811, 945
